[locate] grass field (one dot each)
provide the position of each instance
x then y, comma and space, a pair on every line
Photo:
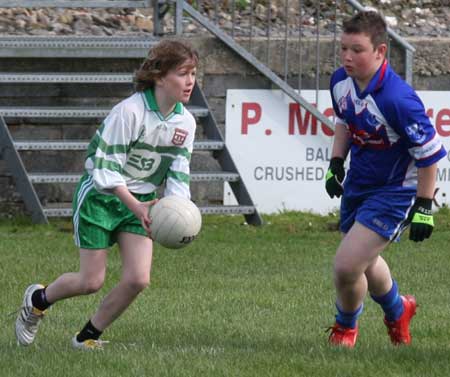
240, 301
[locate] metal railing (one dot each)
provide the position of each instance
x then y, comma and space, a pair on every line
246, 53
276, 40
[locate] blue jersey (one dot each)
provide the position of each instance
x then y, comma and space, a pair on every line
391, 135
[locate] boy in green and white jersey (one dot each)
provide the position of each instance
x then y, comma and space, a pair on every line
145, 141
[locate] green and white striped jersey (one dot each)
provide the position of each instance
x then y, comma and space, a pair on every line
137, 147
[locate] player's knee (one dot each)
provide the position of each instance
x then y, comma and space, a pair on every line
138, 283
92, 285
345, 273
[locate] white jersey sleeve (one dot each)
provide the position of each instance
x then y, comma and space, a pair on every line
178, 175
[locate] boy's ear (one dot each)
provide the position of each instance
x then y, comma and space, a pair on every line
382, 50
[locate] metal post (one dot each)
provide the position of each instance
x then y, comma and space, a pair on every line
286, 31
409, 58
179, 17
300, 57
233, 17
15, 165
251, 27
317, 52
269, 21
157, 26
335, 42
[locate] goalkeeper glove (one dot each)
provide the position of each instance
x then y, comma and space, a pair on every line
421, 219
335, 177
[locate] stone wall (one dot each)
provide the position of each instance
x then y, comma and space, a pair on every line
220, 69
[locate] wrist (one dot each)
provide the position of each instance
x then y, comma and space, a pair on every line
336, 163
425, 203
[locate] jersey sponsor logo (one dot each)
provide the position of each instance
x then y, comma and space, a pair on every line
416, 133
142, 164
360, 106
342, 103
179, 136
366, 129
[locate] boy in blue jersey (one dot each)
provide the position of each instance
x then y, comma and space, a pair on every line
390, 182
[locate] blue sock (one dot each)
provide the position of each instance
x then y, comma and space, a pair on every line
391, 303
348, 319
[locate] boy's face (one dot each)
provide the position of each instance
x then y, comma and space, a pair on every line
359, 57
178, 83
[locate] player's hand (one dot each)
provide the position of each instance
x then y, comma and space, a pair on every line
334, 178
421, 219
142, 212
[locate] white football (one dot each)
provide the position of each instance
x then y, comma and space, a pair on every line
176, 221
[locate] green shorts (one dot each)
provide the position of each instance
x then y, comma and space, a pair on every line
99, 218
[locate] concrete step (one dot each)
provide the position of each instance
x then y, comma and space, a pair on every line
220, 176
73, 112
38, 145
76, 46
206, 210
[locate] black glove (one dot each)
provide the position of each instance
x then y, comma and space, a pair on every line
335, 177
421, 219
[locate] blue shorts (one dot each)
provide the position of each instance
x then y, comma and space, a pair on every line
383, 210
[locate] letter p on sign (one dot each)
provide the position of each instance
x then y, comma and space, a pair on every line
251, 114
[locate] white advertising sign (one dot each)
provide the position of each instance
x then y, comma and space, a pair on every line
282, 152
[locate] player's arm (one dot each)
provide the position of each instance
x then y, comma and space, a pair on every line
336, 172
341, 144
341, 141
426, 149
426, 179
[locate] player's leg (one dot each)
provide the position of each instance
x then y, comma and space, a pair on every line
383, 289
398, 310
38, 298
385, 213
358, 250
89, 279
136, 254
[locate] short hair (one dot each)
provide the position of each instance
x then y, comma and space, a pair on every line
368, 22
163, 57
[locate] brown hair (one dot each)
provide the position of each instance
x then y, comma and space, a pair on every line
371, 23
163, 57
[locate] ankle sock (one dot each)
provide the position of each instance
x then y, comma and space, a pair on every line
391, 303
88, 332
39, 299
348, 319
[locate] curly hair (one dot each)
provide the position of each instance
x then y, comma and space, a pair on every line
369, 22
163, 57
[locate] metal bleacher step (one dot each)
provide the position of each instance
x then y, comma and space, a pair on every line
205, 210
74, 112
129, 46
65, 78
38, 145
199, 176
76, 3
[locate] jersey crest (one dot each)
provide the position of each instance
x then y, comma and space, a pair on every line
179, 136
